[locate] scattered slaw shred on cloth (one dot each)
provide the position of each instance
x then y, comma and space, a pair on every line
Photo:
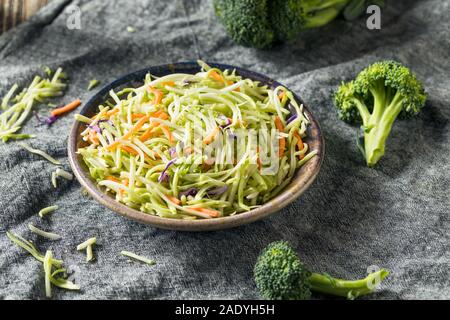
171, 147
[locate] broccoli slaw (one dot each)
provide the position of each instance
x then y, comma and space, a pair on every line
191, 146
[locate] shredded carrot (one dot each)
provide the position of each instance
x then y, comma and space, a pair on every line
147, 134
168, 83
66, 108
167, 133
121, 191
163, 116
299, 144
134, 152
113, 145
150, 130
158, 95
281, 95
229, 82
111, 178
112, 112
93, 137
156, 154
216, 76
157, 113
135, 116
212, 136
258, 160
210, 212
282, 140
174, 200
129, 150
128, 135
136, 128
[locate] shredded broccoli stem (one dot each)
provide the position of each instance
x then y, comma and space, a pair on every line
92, 84
54, 181
63, 174
47, 210
29, 247
18, 107
166, 147
48, 261
136, 257
42, 233
47, 270
87, 245
39, 152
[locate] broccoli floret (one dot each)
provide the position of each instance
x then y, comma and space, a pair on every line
280, 275
259, 23
246, 21
380, 93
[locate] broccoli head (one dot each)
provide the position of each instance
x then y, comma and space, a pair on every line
259, 23
246, 21
280, 275
380, 93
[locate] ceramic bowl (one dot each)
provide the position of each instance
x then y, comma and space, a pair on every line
301, 181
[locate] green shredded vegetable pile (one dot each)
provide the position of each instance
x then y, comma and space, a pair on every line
54, 272
182, 146
17, 106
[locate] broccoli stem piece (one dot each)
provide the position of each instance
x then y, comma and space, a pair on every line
345, 288
280, 275
379, 125
320, 13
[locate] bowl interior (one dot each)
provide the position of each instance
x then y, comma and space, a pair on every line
301, 181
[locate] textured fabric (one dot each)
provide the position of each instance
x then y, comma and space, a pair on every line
395, 215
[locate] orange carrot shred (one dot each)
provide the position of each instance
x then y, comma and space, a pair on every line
210, 212
258, 160
212, 136
135, 116
282, 140
157, 93
129, 150
168, 83
167, 133
136, 128
114, 179
229, 82
113, 145
147, 134
216, 76
174, 200
93, 137
66, 108
299, 144
112, 112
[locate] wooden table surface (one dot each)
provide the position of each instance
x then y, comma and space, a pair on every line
13, 12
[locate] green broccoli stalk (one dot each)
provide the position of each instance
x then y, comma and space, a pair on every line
280, 275
260, 23
380, 93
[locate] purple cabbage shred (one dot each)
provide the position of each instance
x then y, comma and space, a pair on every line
217, 191
164, 176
